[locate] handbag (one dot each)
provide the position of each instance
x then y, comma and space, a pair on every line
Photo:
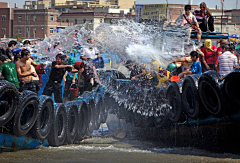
98, 62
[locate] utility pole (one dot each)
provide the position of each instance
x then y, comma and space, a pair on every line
222, 15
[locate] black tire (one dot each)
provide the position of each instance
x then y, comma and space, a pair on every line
72, 121
129, 116
106, 105
98, 111
211, 95
9, 97
58, 132
26, 114
43, 124
190, 96
175, 114
231, 87
82, 119
91, 117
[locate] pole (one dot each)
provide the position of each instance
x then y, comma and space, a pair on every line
222, 16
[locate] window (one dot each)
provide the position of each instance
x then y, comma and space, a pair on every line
27, 17
27, 30
84, 20
19, 18
19, 30
3, 31
217, 30
67, 20
51, 30
75, 21
63, 21
236, 18
91, 21
34, 31
100, 20
63, 9
227, 29
34, 18
3, 18
51, 18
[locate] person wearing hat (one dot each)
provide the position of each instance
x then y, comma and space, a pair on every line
70, 78
136, 72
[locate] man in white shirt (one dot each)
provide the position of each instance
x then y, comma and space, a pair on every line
227, 61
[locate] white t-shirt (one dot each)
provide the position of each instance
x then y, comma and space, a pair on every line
89, 53
227, 61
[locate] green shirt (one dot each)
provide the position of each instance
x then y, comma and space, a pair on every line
70, 75
9, 72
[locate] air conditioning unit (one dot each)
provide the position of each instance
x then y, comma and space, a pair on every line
74, 7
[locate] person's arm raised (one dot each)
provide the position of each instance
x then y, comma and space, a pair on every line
63, 66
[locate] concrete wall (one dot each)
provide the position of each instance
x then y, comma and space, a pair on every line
228, 28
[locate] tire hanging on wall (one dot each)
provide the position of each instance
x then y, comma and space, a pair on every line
91, 118
98, 111
58, 132
43, 124
9, 97
26, 114
72, 121
211, 94
175, 114
190, 96
231, 87
82, 119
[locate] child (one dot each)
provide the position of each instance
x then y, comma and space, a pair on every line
195, 67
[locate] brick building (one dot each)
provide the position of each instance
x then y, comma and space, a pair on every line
92, 17
36, 23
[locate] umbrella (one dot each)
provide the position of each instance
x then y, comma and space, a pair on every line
234, 36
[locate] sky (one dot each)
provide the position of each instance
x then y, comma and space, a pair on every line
228, 4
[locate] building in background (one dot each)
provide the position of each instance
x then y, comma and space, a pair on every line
76, 16
37, 23
40, 4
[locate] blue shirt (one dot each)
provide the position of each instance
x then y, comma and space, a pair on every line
196, 68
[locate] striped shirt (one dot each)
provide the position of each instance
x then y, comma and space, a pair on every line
198, 15
227, 61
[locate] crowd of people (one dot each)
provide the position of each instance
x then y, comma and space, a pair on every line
19, 69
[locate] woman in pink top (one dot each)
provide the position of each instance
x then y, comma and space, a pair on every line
208, 61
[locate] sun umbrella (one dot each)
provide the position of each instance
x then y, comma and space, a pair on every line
234, 36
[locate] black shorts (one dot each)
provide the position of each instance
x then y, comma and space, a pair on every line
30, 86
37, 84
55, 88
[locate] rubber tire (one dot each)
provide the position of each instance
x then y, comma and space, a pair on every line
43, 124
72, 121
231, 87
162, 121
105, 107
56, 138
91, 118
190, 96
10, 95
26, 99
211, 95
82, 119
99, 108
174, 97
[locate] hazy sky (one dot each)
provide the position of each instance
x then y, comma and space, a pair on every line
229, 4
